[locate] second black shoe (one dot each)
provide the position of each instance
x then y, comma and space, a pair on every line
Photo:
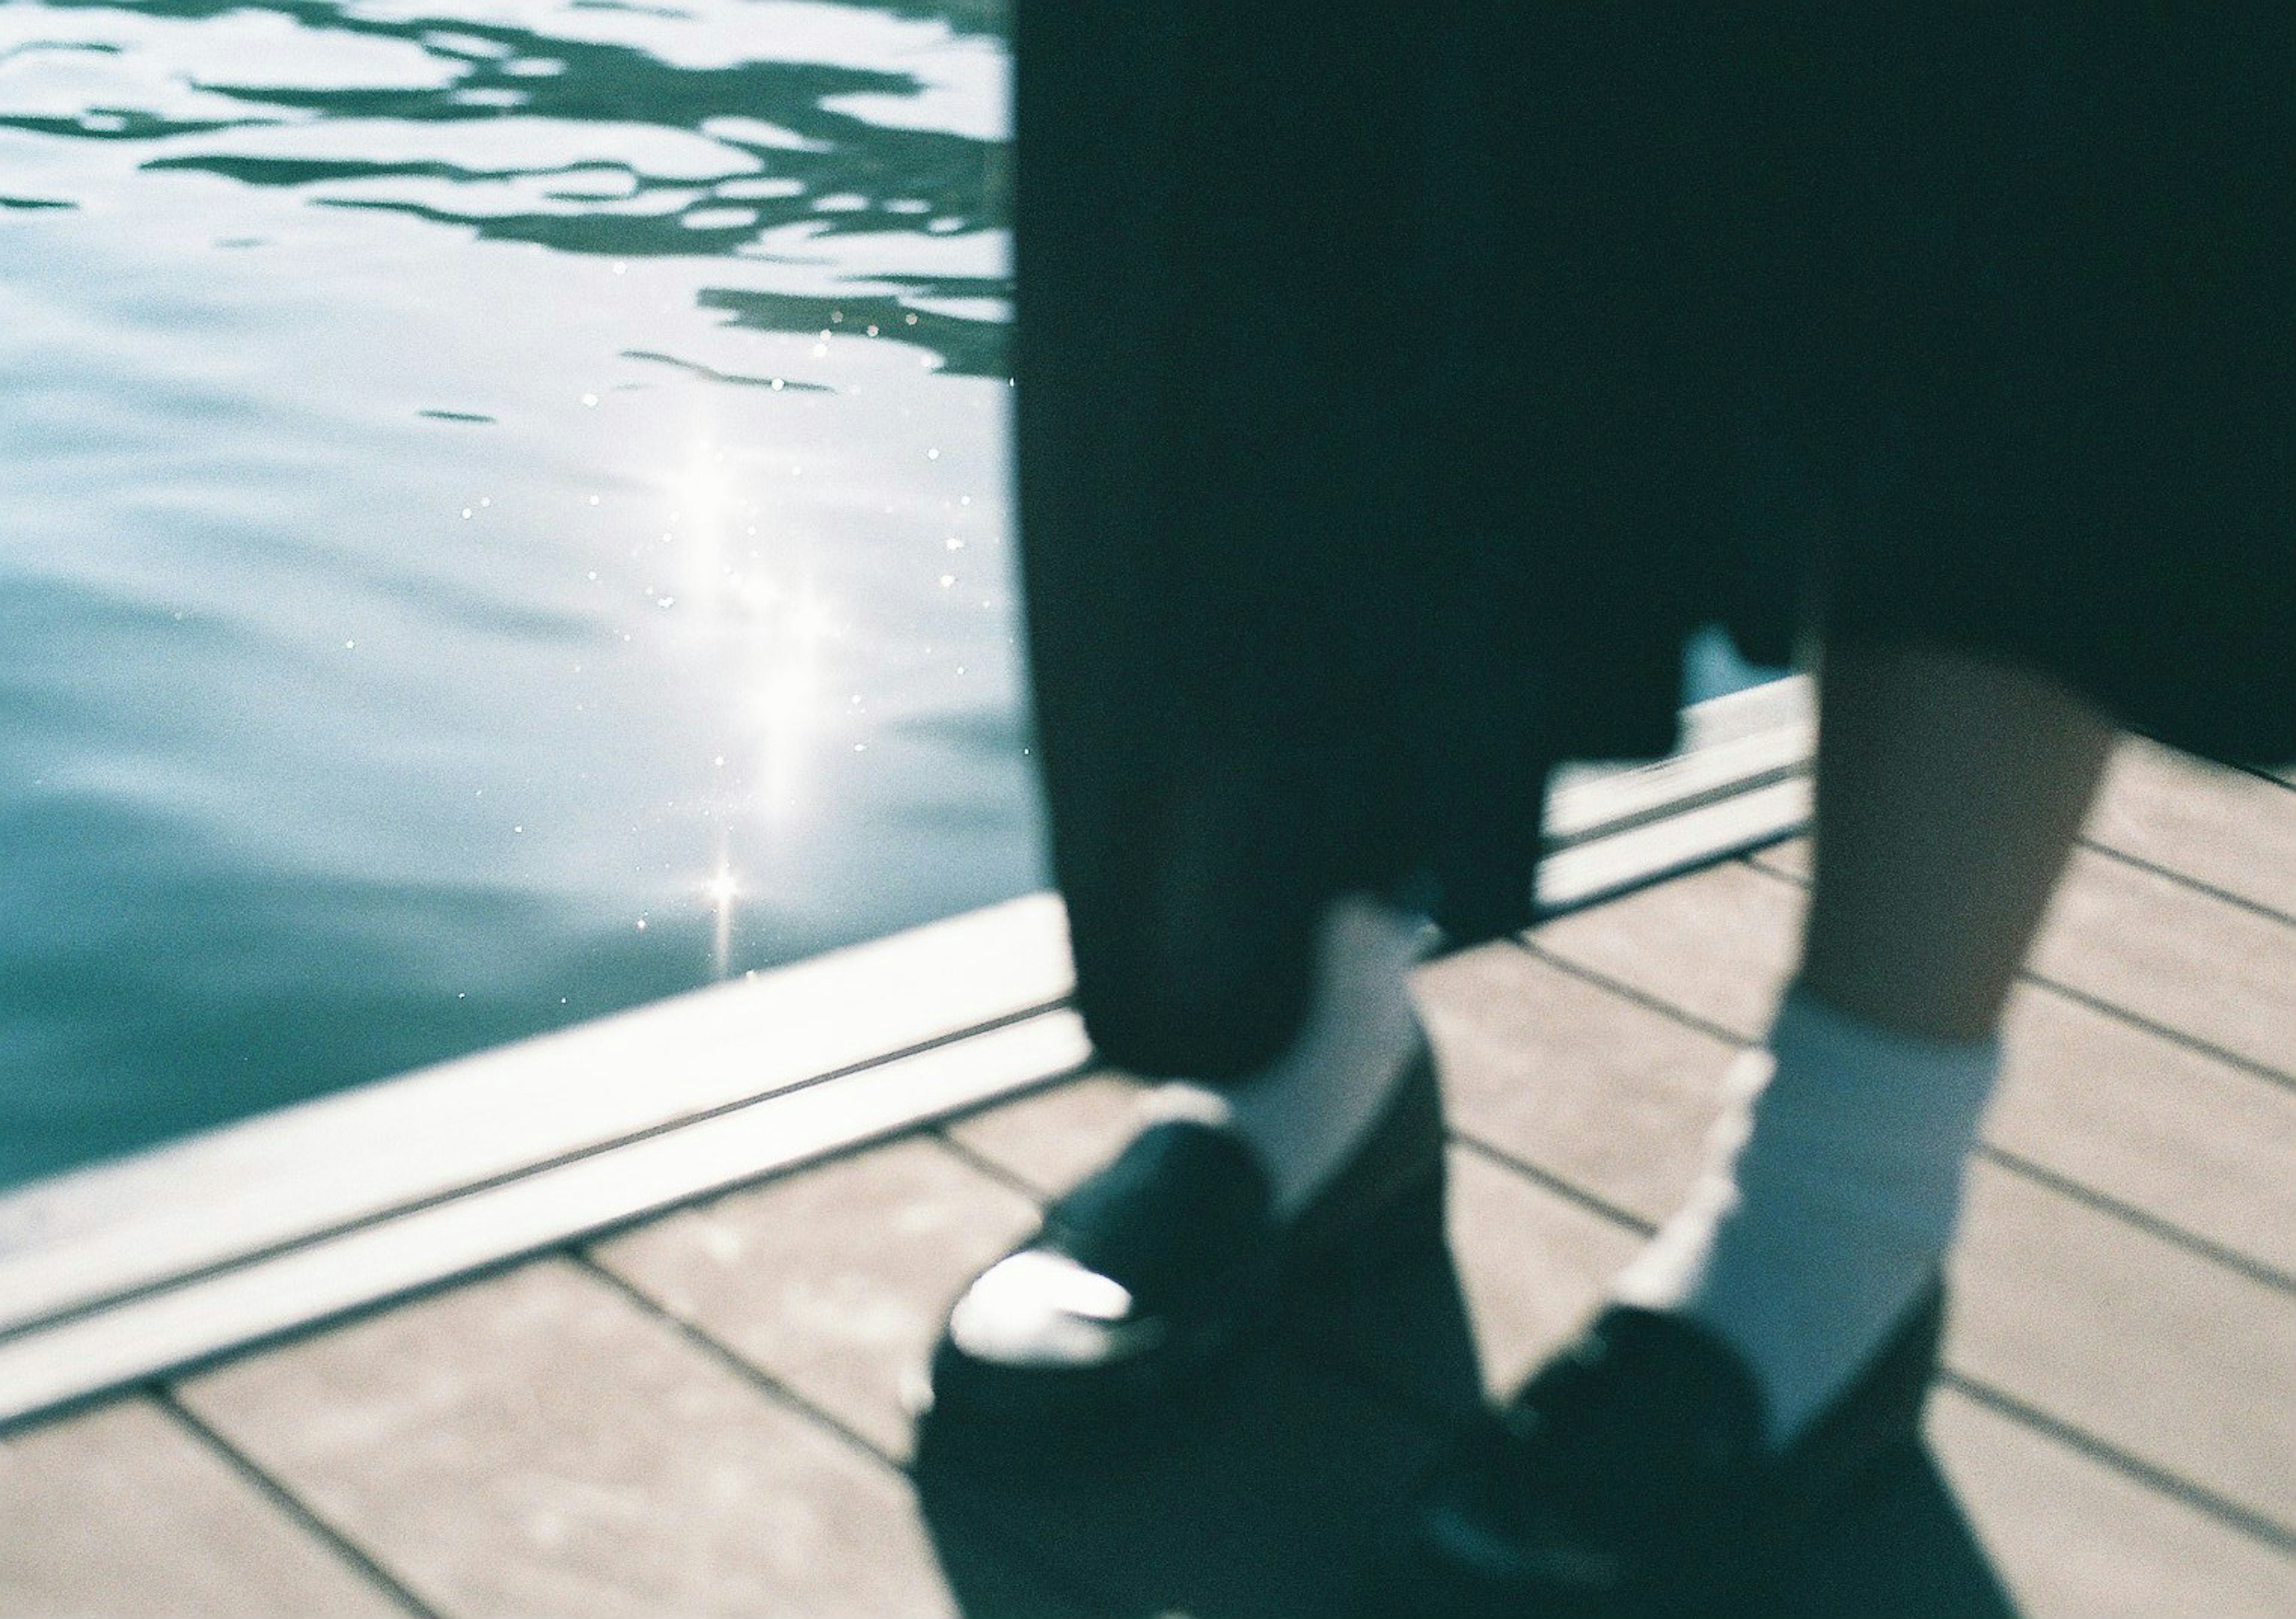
1631, 1478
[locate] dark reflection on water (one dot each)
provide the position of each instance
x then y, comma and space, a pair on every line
967, 347
880, 178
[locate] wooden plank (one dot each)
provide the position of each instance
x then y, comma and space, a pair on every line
1789, 859
1720, 944
1051, 1141
1531, 1263
2211, 824
539, 1444
122, 1510
2074, 1539
322, 1164
2197, 1143
158, 1331
2184, 1364
835, 1281
2145, 1120
1570, 1078
2178, 957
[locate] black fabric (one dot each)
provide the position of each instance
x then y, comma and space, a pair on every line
1398, 385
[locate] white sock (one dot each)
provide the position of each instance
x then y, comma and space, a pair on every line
1304, 1112
1832, 1187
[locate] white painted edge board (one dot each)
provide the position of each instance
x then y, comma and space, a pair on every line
1732, 744
73, 1241
1651, 851
168, 1330
151, 1237
285, 1176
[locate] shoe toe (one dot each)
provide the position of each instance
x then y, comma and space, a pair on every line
1040, 1308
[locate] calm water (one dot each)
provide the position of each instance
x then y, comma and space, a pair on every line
502, 517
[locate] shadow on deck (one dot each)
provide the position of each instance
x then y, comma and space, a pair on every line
1263, 1498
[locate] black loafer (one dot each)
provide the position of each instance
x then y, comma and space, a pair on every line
1147, 1275
1630, 1476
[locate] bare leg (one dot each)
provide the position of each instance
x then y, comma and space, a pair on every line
1948, 792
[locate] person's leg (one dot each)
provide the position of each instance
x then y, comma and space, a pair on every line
1949, 790
1305, 1113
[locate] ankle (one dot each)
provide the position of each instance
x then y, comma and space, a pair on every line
1304, 1113
1830, 1195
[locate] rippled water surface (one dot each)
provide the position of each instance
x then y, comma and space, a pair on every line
502, 517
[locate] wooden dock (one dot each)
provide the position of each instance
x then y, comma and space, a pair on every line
695, 1404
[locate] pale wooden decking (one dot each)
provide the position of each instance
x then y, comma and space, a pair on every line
702, 1414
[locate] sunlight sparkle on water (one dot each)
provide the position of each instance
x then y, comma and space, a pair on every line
722, 890
702, 489
759, 636
775, 630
